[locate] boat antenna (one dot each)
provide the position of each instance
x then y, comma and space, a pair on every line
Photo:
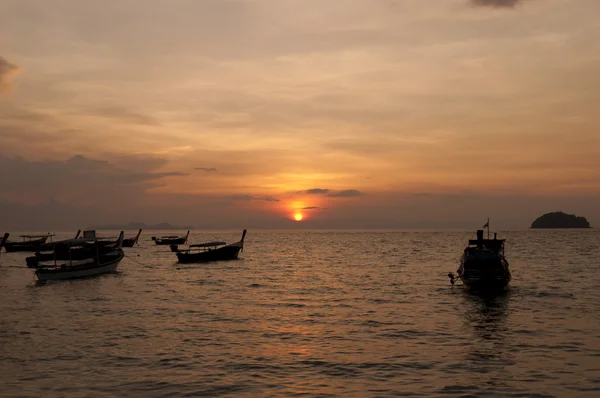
487, 225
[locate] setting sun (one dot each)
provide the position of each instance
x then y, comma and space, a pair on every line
298, 217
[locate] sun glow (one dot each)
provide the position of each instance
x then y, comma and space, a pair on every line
298, 217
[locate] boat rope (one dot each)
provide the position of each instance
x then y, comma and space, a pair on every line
135, 261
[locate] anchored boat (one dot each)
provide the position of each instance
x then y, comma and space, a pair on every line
130, 242
210, 251
171, 240
483, 265
98, 259
30, 243
3, 241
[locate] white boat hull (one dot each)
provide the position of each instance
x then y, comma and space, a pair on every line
60, 274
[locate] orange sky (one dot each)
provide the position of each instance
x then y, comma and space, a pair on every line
223, 112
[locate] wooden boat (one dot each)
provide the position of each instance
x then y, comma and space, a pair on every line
210, 251
30, 243
49, 252
130, 242
49, 246
72, 249
3, 241
110, 240
103, 259
483, 265
171, 240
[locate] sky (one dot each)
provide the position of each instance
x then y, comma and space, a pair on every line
350, 113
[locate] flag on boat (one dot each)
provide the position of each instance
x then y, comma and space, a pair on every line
487, 224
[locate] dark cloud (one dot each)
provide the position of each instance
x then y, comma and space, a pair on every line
348, 193
334, 194
207, 169
316, 191
15, 113
46, 215
311, 208
76, 179
7, 72
123, 114
496, 3
138, 162
244, 197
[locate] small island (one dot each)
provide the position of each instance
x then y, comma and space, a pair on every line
560, 220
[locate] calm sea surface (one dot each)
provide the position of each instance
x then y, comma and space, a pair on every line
353, 314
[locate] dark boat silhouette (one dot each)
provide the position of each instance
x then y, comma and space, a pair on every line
99, 259
171, 240
3, 241
47, 252
130, 242
111, 240
30, 243
210, 251
483, 265
58, 251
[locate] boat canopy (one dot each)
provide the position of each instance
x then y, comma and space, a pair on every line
71, 242
89, 235
169, 237
492, 244
208, 244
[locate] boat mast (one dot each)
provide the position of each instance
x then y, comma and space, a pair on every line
488, 227
3, 241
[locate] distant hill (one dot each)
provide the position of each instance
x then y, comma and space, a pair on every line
560, 220
141, 225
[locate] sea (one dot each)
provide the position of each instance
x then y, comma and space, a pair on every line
310, 314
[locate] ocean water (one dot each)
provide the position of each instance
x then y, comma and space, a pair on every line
321, 313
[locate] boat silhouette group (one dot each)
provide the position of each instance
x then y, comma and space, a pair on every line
89, 254
483, 265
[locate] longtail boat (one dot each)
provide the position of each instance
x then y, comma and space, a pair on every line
130, 242
209, 251
171, 240
30, 243
102, 259
3, 241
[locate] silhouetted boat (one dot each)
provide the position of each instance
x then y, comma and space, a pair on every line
49, 246
30, 243
3, 241
100, 259
110, 240
171, 240
483, 265
210, 251
62, 250
47, 252
130, 242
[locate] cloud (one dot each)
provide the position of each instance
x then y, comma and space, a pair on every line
496, 3
244, 197
122, 114
348, 193
77, 180
138, 162
207, 169
7, 72
311, 208
316, 191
